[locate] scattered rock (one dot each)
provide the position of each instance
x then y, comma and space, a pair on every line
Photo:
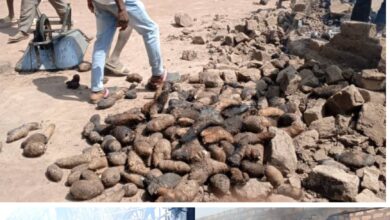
274, 176
372, 122
54, 173
211, 78
134, 78
326, 127
371, 79
283, 154
333, 183
189, 55
314, 111
199, 39
345, 101
220, 184
367, 196
370, 179
333, 74
86, 189
246, 75
183, 20
307, 139
356, 159
253, 190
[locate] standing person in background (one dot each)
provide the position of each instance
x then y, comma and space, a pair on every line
28, 12
7, 21
127, 12
361, 12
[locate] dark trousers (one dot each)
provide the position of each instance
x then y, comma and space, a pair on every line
362, 9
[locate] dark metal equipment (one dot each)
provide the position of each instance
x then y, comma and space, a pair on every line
52, 49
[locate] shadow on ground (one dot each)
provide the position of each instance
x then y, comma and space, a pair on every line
55, 87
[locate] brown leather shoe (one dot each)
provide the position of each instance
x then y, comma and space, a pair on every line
156, 81
95, 97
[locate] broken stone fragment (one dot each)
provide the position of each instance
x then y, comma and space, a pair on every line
250, 74
314, 111
326, 127
371, 178
339, 9
134, 78
308, 78
306, 139
229, 76
252, 190
375, 97
333, 183
372, 122
269, 69
345, 101
241, 37
356, 159
353, 139
333, 74
189, 55
283, 154
290, 83
358, 30
367, 196
211, 78
219, 184
183, 20
371, 79
199, 39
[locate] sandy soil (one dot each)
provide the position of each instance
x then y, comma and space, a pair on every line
43, 97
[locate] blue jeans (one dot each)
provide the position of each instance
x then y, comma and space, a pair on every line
106, 27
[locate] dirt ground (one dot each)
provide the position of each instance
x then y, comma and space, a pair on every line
43, 96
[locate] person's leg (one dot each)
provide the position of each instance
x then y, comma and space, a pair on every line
105, 28
381, 16
28, 12
11, 13
361, 11
123, 38
60, 7
149, 30
10, 5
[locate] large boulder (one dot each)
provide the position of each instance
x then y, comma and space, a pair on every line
333, 183
345, 101
372, 122
283, 154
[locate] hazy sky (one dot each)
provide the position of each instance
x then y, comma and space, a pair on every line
201, 212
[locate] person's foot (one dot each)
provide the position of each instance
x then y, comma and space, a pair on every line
95, 97
20, 36
156, 81
116, 69
7, 22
